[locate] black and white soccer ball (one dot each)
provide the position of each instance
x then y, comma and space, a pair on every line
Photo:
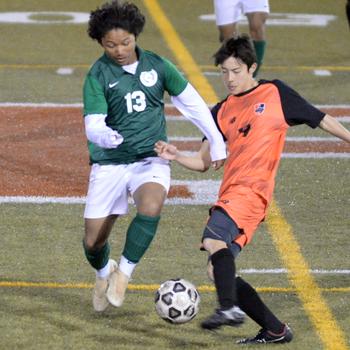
177, 301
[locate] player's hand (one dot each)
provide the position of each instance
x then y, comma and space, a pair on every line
217, 164
116, 139
165, 150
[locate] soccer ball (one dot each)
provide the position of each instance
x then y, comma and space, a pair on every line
177, 301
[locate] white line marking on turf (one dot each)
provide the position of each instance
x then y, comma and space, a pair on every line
41, 105
65, 71
178, 117
203, 192
287, 19
199, 199
210, 74
167, 105
41, 200
316, 155
312, 139
185, 138
169, 118
288, 138
344, 119
306, 155
345, 106
175, 118
322, 72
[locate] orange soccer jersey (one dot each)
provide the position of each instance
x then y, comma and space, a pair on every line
254, 125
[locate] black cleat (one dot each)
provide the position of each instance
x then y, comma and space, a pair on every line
233, 317
265, 337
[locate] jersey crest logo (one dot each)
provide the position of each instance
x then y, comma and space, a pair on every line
149, 78
259, 108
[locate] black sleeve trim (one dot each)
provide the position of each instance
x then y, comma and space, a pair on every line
296, 109
214, 113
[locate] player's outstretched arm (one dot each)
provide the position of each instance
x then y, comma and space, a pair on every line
199, 162
193, 107
332, 126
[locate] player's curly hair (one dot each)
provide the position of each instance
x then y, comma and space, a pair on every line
240, 47
114, 15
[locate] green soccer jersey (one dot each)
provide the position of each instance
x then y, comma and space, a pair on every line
133, 104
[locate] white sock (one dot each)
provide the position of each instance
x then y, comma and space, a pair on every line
104, 272
126, 266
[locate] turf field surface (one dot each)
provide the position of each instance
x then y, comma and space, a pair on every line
41, 243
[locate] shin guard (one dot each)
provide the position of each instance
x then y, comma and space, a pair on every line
224, 275
139, 236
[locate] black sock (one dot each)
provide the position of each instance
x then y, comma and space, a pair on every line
224, 275
250, 302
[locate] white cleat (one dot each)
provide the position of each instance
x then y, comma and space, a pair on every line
118, 284
99, 299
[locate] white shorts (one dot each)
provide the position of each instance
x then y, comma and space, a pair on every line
111, 185
230, 11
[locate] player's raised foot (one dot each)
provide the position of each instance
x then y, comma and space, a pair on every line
99, 298
118, 283
233, 317
265, 337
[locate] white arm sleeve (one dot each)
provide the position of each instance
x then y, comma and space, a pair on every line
99, 133
193, 107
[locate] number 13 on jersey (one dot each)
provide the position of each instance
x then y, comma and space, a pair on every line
135, 101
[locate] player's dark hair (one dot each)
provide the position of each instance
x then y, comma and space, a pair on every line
240, 47
115, 15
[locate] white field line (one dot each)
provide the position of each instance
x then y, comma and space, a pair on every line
312, 139
41, 104
204, 192
177, 118
333, 106
344, 119
81, 200
41, 200
322, 72
306, 155
316, 155
288, 138
79, 104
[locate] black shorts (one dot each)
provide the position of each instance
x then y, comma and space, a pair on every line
221, 227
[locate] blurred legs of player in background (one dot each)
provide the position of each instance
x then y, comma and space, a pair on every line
347, 8
228, 14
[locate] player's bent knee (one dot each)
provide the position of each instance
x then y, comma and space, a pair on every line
151, 209
97, 257
213, 245
90, 244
